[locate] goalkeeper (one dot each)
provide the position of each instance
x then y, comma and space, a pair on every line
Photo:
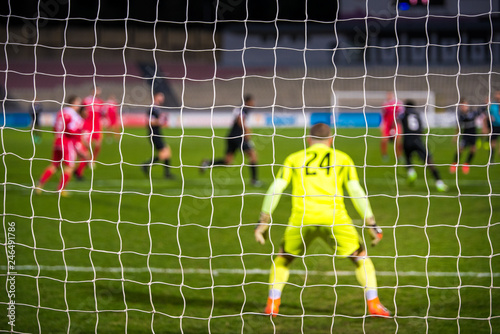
318, 175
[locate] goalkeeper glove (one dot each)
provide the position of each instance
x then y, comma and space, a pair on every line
375, 231
261, 228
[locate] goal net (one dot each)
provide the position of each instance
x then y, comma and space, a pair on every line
140, 138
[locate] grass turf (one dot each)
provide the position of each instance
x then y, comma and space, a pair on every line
188, 254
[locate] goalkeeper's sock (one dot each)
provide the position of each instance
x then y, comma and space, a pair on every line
365, 274
64, 180
278, 276
47, 174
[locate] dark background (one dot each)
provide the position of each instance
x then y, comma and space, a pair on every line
202, 11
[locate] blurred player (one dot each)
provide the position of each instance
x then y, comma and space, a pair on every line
467, 135
68, 128
92, 138
36, 110
318, 175
239, 138
111, 112
483, 122
412, 143
154, 125
494, 113
390, 132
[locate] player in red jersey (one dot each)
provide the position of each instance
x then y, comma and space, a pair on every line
390, 130
92, 135
67, 145
111, 112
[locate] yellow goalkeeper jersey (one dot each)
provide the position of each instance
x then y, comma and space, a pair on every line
318, 175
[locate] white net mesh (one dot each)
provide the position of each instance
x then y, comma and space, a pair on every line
124, 247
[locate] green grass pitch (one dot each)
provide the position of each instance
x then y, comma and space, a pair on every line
128, 253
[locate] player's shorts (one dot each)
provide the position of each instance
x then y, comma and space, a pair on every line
158, 142
342, 238
414, 144
389, 129
234, 144
467, 140
495, 132
65, 154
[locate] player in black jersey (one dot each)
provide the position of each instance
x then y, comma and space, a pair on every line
155, 122
466, 135
412, 142
239, 138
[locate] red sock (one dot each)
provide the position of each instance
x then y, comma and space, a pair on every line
64, 181
46, 175
95, 152
81, 168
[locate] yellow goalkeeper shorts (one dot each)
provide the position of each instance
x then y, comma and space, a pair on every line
343, 239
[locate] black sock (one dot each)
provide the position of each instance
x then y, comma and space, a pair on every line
167, 166
149, 162
455, 159
435, 172
220, 161
253, 171
470, 157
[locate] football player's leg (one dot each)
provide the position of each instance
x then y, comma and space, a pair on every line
51, 169
69, 165
472, 149
367, 278
411, 173
96, 145
279, 273
384, 139
86, 145
46, 175
349, 245
398, 142
232, 144
252, 155
293, 245
164, 155
65, 177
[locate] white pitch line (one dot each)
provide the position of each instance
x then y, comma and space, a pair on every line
254, 271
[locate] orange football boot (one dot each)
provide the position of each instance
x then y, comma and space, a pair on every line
273, 306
